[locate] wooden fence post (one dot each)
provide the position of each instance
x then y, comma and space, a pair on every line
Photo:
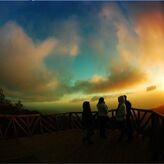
155, 137
70, 120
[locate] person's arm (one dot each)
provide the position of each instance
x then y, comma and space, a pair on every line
130, 105
106, 108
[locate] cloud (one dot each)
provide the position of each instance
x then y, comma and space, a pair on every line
136, 50
124, 78
96, 79
103, 40
151, 88
22, 67
78, 100
151, 36
120, 38
130, 50
21, 60
68, 36
148, 23
116, 44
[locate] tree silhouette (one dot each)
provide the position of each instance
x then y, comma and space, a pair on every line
19, 105
7, 107
2, 96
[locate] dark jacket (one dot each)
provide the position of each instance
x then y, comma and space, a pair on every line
87, 119
128, 109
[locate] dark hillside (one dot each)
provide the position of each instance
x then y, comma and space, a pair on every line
7, 107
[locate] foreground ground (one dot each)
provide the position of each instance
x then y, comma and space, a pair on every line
67, 146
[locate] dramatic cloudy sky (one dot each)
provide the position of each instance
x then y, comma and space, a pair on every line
67, 52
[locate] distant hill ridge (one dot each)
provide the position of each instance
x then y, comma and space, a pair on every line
7, 107
159, 109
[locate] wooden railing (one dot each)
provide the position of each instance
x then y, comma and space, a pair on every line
28, 125
145, 122
150, 124
142, 120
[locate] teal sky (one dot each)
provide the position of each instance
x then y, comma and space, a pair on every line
56, 51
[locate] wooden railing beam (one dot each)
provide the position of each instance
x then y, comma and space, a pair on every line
31, 124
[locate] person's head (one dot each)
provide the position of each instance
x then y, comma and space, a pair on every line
101, 100
86, 105
125, 97
121, 99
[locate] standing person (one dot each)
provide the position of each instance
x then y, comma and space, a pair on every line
121, 116
128, 120
102, 116
87, 121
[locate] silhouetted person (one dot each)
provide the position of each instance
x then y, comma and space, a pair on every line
87, 121
121, 116
102, 116
128, 120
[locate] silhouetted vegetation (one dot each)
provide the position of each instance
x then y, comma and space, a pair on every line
7, 107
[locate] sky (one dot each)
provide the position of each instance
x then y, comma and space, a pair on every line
56, 54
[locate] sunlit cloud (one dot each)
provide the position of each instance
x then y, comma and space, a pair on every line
96, 79
151, 88
151, 34
138, 43
149, 28
119, 79
22, 64
21, 60
121, 64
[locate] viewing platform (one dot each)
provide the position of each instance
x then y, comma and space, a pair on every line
58, 138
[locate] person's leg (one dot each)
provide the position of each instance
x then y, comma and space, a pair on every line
104, 127
122, 129
88, 136
129, 129
101, 126
85, 136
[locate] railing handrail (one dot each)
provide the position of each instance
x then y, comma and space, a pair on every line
20, 115
159, 114
150, 110
68, 113
143, 110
